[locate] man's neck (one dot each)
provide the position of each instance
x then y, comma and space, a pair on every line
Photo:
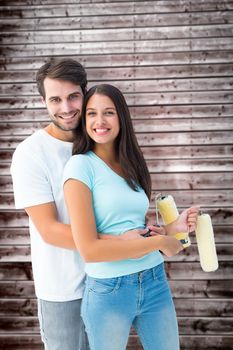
59, 134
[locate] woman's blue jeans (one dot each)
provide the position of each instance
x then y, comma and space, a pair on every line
112, 305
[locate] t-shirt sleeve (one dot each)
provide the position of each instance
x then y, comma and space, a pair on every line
79, 168
30, 180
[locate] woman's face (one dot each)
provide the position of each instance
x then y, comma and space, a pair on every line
102, 122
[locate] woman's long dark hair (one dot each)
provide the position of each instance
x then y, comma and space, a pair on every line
130, 155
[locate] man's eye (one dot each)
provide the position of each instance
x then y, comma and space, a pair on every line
55, 100
74, 97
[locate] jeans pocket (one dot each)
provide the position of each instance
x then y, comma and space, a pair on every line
103, 285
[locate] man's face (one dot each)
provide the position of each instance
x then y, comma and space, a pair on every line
64, 102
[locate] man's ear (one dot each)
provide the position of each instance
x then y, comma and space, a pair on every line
43, 100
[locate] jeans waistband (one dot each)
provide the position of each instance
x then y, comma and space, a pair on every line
142, 275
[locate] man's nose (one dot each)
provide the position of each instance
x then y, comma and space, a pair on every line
66, 107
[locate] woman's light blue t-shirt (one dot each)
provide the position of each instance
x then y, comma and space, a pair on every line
117, 208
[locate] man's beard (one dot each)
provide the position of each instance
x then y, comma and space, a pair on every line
55, 121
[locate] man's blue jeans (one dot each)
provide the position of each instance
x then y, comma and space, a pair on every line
112, 305
61, 325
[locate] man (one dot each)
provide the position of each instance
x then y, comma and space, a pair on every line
37, 169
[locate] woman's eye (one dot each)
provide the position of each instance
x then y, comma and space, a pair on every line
90, 114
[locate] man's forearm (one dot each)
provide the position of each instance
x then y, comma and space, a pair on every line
60, 235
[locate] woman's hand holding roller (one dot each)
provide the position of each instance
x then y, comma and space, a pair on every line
186, 221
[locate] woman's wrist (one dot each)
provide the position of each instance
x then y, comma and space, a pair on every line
159, 241
169, 229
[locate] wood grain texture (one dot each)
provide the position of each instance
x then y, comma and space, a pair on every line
173, 61
137, 112
189, 70
123, 60
117, 21
113, 47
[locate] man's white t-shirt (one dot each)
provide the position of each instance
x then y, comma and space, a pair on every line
37, 169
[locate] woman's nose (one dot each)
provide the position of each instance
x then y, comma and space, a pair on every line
100, 119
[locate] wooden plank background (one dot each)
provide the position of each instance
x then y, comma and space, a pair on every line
173, 61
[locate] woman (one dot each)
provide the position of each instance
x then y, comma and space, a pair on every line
107, 189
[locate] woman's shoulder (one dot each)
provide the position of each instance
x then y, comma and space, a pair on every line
79, 160
79, 166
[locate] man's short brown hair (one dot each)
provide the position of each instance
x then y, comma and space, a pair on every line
63, 69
